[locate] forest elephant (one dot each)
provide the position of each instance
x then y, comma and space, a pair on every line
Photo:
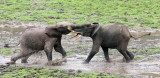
114, 36
34, 39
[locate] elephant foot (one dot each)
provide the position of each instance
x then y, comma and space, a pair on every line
109, 60
65, 60
11, 62
127, 61
124, 60
85, 62
24, 61
132, 57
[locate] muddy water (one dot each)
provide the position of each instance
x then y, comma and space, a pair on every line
80, 50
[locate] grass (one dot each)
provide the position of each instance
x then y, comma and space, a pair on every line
138, 57
134, 13
6, 51
69, 52
146, 51
28, 72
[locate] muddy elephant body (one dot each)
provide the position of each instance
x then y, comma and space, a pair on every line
114, 36
34, 39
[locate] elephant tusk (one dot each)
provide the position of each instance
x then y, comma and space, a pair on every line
69, 28
79, 36
77, 33
74, 36
73, 31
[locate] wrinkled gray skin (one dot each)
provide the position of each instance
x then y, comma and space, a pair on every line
35, 39
114, 36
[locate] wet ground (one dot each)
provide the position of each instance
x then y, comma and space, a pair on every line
78, 50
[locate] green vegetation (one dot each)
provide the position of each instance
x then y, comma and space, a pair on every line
83, 47
69, 52
134, 13
151, 50
138, 57
146, 51
28, 72
8, 51
5, 51
150, 58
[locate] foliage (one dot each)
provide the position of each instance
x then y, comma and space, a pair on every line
143, 13
5, 51
138, 57
28, 72
146, 51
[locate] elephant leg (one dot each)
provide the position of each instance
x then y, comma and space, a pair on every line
48, 52
124, 53
48, 49
130, 54
24, 59
105, 50
22, 54
58, 47
123, 50
95, 49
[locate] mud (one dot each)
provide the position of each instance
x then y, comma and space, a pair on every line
78, 50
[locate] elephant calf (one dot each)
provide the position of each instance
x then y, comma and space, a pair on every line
35, 39
115, 36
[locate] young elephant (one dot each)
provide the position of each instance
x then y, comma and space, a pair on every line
34, 39
115, 36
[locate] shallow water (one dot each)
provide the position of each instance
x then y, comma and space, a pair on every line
80, 50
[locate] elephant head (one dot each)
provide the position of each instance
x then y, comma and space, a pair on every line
58, 29
88, 30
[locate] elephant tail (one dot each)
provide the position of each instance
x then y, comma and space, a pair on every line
139, 36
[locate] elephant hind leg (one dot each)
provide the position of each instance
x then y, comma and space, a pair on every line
123, 50
124, 53
24, 59
130, 54
22, 54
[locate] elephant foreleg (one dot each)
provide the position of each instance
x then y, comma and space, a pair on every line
95, 49
105, 50
60, 49
48, 49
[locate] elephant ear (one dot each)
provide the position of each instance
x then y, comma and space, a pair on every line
96, 25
